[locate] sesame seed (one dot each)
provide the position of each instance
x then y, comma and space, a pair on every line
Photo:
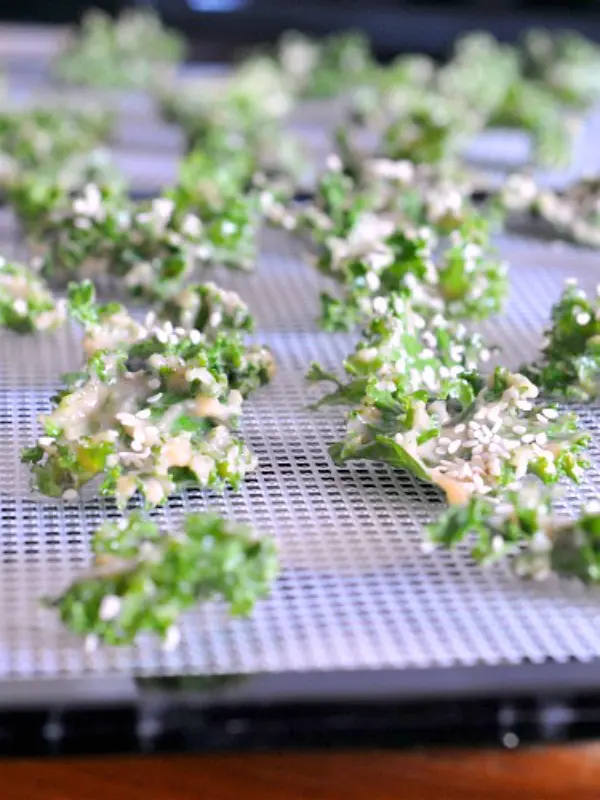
550, 413
495, 467
454, 446
20, 307
144, 413
69, 495
529, 438
524, 405
541, 439
456, 352
460, 427
520, 429
466, 471
429, 378
478, 483
110, 607
521, 468
583, 318
127, 419
172, 638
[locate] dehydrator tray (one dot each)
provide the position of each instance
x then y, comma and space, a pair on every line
361, 620
366, 639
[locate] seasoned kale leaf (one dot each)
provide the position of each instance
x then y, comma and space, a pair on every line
153, 409
40, 138
523, 527
26, 303
97, 232
570, 361
477, 449
571, 214
130, 52
142, 579
398, 228
402, 352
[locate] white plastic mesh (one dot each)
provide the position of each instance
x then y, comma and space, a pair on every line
355, 590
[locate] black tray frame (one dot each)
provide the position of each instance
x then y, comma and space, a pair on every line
504, 705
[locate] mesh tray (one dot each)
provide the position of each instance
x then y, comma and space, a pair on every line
356, 590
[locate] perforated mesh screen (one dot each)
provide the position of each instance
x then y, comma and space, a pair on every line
356, 590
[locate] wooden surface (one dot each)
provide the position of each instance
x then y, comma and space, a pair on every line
538, 774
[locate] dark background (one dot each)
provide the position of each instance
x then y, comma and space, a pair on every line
393, 25
59, 11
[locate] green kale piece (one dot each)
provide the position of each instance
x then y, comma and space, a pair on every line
142, 580
476, 449
521, 526
220, 192
462, 278
150, 247
207, 308
570, 361
43, 138
152, 410
401, 352
531, 107
566, 63
26, 303
129, 52
571, 214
